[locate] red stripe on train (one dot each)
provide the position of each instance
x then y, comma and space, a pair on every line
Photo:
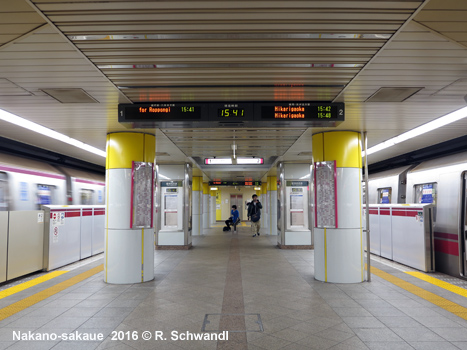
447, 247
452, 236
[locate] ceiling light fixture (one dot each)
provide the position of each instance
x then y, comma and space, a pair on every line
214, 188
216, 161
422, 129
24, 123
251, 160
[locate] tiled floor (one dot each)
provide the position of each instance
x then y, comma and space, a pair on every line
265, 297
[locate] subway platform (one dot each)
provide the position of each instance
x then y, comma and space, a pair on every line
234, 292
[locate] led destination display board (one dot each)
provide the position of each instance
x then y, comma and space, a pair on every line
160, 111
234, 183
231, 114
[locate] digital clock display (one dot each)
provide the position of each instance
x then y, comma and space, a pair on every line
231, 112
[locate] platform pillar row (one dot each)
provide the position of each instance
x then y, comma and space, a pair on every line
197, 205
129, 251
212, 207
272, 195
206, 198
339, 250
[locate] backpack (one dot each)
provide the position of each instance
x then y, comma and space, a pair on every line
225, 229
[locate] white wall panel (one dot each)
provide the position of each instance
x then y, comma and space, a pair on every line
348, 198
297, 237
148, 262
344, 255
171, 238
3, 244
124, 264
87, 222
320, 262
25, 243
119, 198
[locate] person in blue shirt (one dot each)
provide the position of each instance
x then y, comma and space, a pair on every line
233, 219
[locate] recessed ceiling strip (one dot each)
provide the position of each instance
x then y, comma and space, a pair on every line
231, 65
227, 36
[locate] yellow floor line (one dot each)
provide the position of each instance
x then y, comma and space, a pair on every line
448, 305
35, 298
437, 282
20, 287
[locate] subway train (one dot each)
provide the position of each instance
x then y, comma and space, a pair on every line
27, 184
443, 182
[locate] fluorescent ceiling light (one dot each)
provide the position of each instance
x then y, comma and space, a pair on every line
214, 161
250, 160
422, 129
214, 188
257, 188
24, 123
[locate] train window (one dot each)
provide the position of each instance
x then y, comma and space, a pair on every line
45, 194
427, 193
384, 195
3, 192
86, 197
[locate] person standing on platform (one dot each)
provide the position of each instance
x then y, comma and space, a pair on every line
254, 214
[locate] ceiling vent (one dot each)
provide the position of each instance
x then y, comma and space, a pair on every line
7, 88
393, 94
70, 95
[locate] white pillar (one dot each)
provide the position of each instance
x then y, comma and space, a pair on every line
205, 205
197, 205
129, 251
338, 250
272, 182
212, 208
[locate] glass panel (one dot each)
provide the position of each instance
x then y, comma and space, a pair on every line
3, 192
45, 195
86, 197
427, 193
384, 195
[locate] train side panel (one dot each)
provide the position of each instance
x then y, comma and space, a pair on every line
28, 191
444, 182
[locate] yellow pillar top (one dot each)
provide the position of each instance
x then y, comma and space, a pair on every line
205, 188
272, 181
125, 147
342, 146
197, 183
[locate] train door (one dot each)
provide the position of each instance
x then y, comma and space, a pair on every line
86, 197
464, 225
3, 192
237, 199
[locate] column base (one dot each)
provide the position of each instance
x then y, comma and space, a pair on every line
174, 247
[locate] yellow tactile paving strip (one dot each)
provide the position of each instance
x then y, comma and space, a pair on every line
35, 298
20, 287
448, 305
437, 282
